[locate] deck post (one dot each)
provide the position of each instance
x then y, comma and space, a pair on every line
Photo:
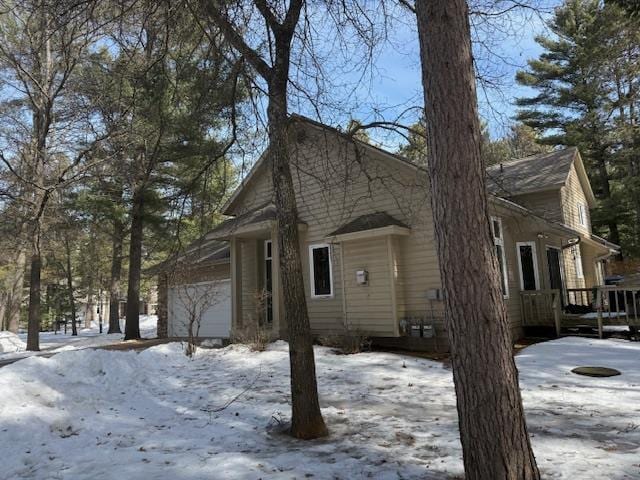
599, 307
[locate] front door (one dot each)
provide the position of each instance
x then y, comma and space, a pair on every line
555, 269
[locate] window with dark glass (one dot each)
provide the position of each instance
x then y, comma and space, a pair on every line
527, 267
320, 271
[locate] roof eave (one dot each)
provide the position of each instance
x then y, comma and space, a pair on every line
229, 204
370, 233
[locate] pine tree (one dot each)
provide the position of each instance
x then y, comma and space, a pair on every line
493, 430
587, 96
165, 93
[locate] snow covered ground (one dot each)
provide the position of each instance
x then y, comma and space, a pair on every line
92, 414
13, 346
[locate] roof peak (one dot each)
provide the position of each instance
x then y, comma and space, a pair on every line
535, 156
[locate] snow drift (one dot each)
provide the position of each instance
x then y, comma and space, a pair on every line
11, 343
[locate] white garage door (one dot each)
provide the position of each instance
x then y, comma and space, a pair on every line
207, 305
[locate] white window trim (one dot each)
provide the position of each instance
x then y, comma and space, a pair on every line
577, 261
582, 214
534, 254
312, 272
500, 241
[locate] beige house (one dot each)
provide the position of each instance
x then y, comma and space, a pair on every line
367, 242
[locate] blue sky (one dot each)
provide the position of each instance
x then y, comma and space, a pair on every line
395, 84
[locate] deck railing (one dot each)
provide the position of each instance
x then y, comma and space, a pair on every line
541, 307
598, 306
584, 297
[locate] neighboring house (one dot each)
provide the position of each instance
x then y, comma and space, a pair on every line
366, 237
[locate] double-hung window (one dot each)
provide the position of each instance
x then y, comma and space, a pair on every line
498, 242
320, 271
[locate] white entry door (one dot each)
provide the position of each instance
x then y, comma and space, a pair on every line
208, 303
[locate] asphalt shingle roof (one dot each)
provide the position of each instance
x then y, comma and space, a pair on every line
368, 222
530, 174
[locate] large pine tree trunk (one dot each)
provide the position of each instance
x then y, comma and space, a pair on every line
114, 281
33, 326
132, 325
492, 425
307, 421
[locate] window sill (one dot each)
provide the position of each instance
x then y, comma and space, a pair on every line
321, 297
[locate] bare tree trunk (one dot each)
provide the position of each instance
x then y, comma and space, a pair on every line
114, 282
15, 302
12, 303
33, 327
132, 325
72, 302
493, 431
89, 310
4, 304
306, 418
307, 421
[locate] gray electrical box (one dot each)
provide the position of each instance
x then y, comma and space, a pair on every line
416, 330
362, 277
428, 331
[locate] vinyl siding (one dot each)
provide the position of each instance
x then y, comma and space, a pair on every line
546, 204
369, 307
334, 185
572, 194
250, 280
562, 206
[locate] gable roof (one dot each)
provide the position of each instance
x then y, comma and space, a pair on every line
296, 118
261, 213
537, 173
368, 222
531, 174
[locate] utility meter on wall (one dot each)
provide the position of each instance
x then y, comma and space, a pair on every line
362, 277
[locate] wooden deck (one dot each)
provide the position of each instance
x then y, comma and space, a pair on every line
596, 307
